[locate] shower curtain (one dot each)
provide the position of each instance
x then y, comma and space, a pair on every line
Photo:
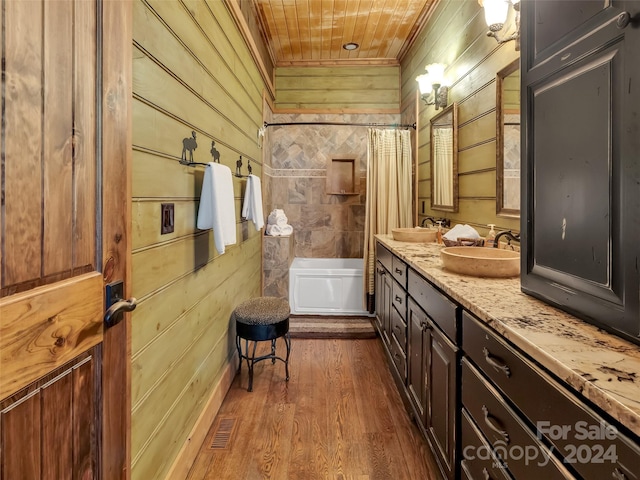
442, 170
388, 203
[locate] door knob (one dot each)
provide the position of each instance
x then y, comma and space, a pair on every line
114, 314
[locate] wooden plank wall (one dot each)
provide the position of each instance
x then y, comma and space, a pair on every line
192, 72
456, 36
362, 89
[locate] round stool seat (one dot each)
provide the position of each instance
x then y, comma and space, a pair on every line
262, 311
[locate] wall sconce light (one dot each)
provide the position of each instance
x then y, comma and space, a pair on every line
432, 90
495, 14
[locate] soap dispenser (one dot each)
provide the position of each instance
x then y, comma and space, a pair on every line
491, 236
439, 232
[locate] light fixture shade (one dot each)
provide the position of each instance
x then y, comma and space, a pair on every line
495, 13
424, 84
436, 73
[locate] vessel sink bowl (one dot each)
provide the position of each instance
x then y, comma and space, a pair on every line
417, 234
481, 262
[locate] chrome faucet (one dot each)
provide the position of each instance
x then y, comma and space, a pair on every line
508, 234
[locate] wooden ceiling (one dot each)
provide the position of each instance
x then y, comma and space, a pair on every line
312, 32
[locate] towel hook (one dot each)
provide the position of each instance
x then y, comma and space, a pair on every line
215, 154
189, 144
239, 167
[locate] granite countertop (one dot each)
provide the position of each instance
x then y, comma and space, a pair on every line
602, 367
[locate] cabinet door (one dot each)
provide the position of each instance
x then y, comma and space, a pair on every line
387, 302
418, 335
442, 399
380, 273
580, 141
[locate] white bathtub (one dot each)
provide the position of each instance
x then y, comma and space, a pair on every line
326, 286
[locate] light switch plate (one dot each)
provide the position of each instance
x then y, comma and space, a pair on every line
167, 218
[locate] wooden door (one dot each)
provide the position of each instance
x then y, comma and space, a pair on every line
64, 235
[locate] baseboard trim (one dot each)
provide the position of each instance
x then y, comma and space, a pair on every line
189, 451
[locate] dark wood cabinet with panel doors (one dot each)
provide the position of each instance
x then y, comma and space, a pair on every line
488, 407
433, 359
519, 408
421, 345
383, 294
580, 101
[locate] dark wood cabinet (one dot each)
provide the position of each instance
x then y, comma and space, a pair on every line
496, 376
418, 339
432, 384
488, 409
442, 400
391, 301
383, 303
419, 328
581, 170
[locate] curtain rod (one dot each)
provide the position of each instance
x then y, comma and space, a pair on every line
392, 125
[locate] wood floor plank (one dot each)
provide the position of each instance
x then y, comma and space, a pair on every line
340, 417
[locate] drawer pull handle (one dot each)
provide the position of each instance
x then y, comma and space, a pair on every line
494, 425
493, 361
485, 474
398, 271
618, 474
623, 20
398, 299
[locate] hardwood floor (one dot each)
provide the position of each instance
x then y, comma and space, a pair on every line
339, 417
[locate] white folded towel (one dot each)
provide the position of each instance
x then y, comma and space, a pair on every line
217, 205
278, 230
252, 206
461, 231
277, 217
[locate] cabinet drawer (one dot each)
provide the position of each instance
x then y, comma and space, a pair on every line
384, 256
516, 445
559, 415
399, 299
439, 308
478, 461
399, 271
399, 329
399, 358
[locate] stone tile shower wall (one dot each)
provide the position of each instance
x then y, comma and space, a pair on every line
325, 226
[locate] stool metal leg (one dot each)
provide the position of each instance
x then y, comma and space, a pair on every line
238, 346
253, 357
273, 351
287, 341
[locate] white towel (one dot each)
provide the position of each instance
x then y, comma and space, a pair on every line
461, 231
252, 206
217, 205
279, 231
277, 217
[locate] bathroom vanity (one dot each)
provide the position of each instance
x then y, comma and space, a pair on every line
501, 384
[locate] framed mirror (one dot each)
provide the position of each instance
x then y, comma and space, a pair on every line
508, 141
444, 160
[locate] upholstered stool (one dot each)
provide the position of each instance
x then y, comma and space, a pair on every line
260, 319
